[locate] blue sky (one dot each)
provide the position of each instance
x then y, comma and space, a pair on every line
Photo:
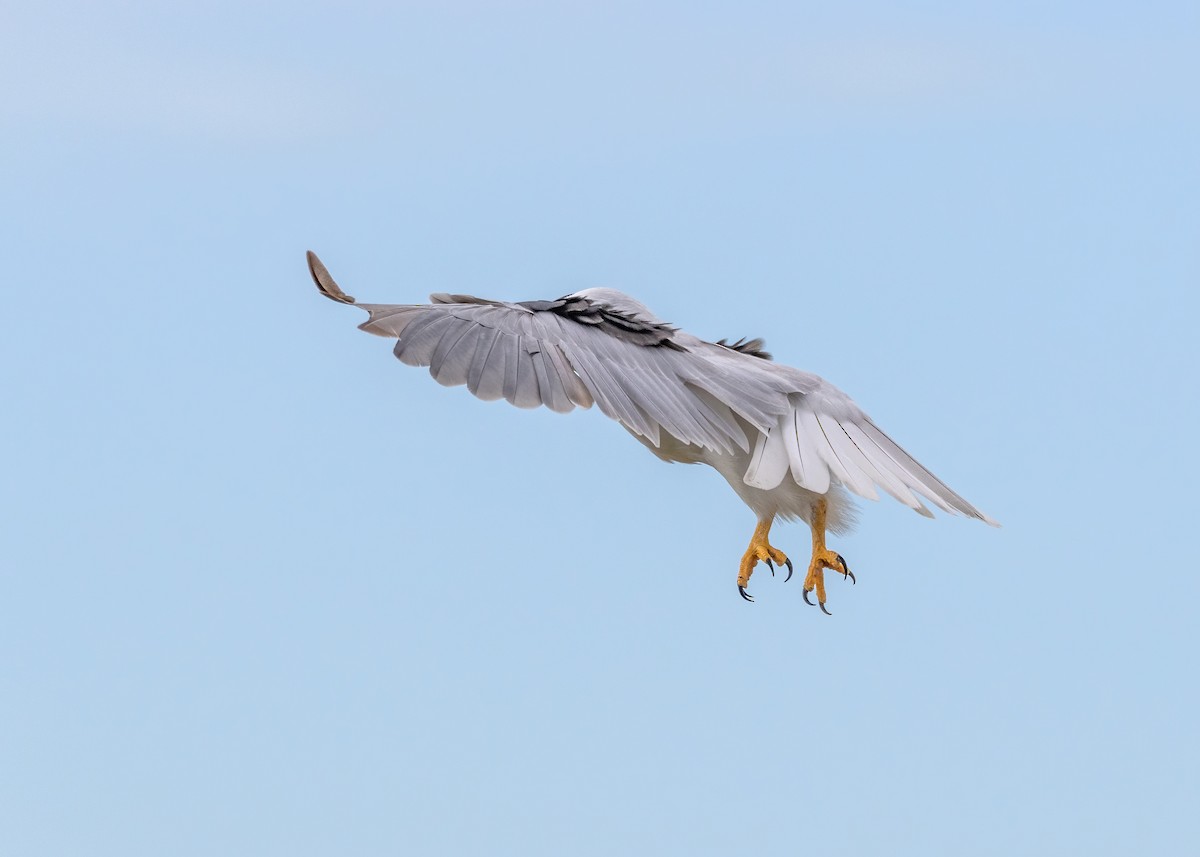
264, 590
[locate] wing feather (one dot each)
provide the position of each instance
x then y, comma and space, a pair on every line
808, 468
613, 400
839, 447
884, 469
524, 392
666, 402
451, 358
416, 347
806, 421
919, 478
721, 417
494, 370
391, 320
576, 390
769, 461
480, 382
512, 344
553, 393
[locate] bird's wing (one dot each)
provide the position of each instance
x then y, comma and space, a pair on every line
575, 351
826, 438
653, 379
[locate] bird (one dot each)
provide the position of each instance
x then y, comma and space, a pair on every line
789, 443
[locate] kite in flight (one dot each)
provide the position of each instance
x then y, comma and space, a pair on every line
789, 443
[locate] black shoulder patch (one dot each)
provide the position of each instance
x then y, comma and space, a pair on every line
753, 347
628, 328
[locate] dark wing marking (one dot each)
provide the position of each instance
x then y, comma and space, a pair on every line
753, 347
612, 321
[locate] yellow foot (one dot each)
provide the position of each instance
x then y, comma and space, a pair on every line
823, 559
760, 551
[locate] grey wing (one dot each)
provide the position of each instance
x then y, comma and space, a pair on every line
825, 438
547, 353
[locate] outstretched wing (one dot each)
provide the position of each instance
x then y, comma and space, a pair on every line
575, 351
654, 379
826, 438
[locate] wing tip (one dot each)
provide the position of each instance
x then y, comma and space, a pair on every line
325, 281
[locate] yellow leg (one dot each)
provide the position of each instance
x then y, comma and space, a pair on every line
760, 550
822, 558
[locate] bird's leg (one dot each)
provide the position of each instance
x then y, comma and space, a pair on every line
760, 549
822, 558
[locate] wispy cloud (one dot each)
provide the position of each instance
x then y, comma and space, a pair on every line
445, 77
99, 82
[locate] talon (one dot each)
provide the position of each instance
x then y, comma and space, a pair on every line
804, 593
760, 550
822, 558
789, 565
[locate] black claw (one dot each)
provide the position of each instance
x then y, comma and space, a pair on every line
804, 593
846, 572
823, 610
789, 565
742, 590
770, 566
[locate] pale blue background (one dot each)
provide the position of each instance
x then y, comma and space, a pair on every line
265, 591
